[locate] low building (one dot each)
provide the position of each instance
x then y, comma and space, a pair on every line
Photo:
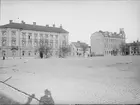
106, 43
21, 39
134, 48
77, 49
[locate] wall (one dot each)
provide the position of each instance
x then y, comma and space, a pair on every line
97, 44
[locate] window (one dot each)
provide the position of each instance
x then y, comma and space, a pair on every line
64, 36
29, 35
46, 41
51, 43
64, 43
29, 53
13, 42
35, 35
56, 43
23, 34
36, 43
3, 42
23, 52
4, 33
46, 35
13, 33
41, 36
56, 36
30, 42
51, 36
23, 43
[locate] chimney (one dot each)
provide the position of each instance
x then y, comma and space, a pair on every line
10, 21
22, 22
61, 26
53, 25
78, 41
34, 23
47, 25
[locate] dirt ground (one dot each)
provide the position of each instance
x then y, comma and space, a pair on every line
74, 80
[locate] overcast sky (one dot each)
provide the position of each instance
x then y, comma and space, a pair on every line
81, 18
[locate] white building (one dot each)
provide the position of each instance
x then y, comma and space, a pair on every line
104, 43
77, 50
26, 38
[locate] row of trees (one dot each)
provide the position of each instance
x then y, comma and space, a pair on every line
46, 51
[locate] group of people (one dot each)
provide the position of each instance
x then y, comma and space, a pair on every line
44, 100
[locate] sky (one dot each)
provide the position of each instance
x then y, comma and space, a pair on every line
80, 18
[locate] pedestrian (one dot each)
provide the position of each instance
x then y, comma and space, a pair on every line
29, 99
46, 99
4, 57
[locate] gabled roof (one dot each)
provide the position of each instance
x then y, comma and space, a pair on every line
109, 34
79, 44
34, 27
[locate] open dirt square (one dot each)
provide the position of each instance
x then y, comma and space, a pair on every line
74, 80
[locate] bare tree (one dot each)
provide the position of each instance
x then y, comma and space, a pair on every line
44, 50
84, 47
63, 51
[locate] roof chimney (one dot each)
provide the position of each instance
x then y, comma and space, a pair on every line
53, 25
34, 23
22, 22
47, 25
10, 21
61, 26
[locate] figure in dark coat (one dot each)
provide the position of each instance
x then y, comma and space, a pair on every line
46, 99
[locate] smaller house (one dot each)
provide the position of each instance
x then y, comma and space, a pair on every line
134, 48
77, 49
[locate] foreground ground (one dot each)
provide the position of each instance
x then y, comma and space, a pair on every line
74, 80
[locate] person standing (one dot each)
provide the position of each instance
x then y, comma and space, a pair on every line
4, 56
29, 99
46, 99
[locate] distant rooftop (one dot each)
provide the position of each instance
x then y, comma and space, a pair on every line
34, 27
78, 44
111, 34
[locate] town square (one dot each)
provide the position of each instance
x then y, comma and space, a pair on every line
69, 52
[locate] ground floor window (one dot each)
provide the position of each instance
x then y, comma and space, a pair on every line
13, 52
23, 52
29, 53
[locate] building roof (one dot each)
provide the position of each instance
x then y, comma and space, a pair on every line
79, 44
110, 34
24, 26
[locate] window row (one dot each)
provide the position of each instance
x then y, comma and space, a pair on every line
40, 35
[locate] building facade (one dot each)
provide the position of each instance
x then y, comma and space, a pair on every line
106, 43
134, 48
77, 50
21, 39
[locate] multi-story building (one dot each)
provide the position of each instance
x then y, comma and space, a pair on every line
133, 48
77, 50
21, 39
105, 43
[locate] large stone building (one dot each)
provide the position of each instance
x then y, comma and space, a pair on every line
105, 43
21, 39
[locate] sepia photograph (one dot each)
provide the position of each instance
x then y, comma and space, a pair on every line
69, 52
